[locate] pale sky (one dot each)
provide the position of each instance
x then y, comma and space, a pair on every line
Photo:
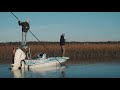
48, 26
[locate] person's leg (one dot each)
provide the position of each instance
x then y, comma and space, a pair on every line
22, 39
61, 51
25, 38
63, 47
13, 60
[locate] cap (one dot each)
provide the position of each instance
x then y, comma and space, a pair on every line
28, 20
63, 34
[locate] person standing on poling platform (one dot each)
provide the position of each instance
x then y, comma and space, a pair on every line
25, 27
62, 44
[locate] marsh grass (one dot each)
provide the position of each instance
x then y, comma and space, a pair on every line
78, 52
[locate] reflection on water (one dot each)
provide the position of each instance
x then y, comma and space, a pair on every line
18, 73
98, 70
46, 72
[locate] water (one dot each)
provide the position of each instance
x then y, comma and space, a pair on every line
99, 70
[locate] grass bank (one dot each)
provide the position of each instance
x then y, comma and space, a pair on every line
78, 52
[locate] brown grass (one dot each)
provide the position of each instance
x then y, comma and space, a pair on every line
78, 52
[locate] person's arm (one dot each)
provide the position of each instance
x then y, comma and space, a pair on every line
19, 23
28, 26
64, 39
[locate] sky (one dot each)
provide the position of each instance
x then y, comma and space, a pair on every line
48, 26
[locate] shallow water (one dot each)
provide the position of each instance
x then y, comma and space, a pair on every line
99, 70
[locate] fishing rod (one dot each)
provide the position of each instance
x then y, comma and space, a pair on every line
34, 36
68, 38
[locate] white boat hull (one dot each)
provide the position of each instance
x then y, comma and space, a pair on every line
29, 64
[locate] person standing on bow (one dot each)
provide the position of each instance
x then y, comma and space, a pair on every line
25, 27
62, 44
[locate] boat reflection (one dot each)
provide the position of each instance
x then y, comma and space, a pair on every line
46, 72
18, 73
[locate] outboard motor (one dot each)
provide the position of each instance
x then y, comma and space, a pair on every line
19, 56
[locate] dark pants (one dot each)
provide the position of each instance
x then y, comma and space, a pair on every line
13, 60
